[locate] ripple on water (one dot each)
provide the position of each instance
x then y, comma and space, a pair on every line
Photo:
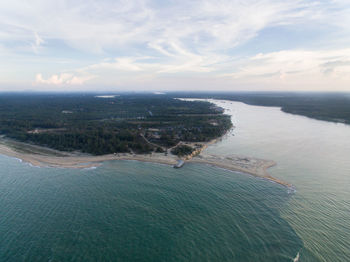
141, 211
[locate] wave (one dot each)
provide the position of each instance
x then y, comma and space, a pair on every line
292, 190
90, 168
296, 259
31, 165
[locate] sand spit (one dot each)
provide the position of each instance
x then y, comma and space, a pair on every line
45, 157
253, 166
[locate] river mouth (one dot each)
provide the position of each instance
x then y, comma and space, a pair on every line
130, 210
312, 155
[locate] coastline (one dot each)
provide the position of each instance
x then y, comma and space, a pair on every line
46, 157
247, 165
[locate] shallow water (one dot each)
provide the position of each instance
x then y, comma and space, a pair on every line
134, 211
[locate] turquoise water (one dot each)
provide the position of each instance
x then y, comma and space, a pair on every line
133, 211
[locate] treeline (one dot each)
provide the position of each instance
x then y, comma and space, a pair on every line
334, 107
88, 142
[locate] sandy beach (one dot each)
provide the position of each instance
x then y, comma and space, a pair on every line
41, 156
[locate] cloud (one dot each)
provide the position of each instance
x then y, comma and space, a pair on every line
63, 79
37, 42
178, 60
120, 64
146, 40
297, 69
101, 26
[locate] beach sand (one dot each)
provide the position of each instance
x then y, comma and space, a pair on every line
41, 156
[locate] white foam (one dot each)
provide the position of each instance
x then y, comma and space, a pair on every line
296, 259
291, 190
90, 168
31, 165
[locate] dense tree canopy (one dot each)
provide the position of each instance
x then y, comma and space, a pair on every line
100, 125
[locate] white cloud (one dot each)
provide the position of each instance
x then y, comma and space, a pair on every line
63, 79
147, 40
295, 70
37, 42
98, 26
120, 64
297, 62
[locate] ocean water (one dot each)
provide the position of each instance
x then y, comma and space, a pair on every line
134, 211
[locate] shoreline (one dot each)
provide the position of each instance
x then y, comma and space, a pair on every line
247, 165
46, 157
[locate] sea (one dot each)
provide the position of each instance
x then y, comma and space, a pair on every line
135, 211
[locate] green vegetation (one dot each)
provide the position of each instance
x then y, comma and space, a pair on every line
182, 150
333, 107
125, 123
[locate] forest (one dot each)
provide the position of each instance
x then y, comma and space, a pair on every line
89, 123
328, 106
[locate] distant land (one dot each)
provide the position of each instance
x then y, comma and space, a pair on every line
106, 124
82, 130
143, 123
334, 107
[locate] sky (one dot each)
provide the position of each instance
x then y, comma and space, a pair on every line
145, 45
